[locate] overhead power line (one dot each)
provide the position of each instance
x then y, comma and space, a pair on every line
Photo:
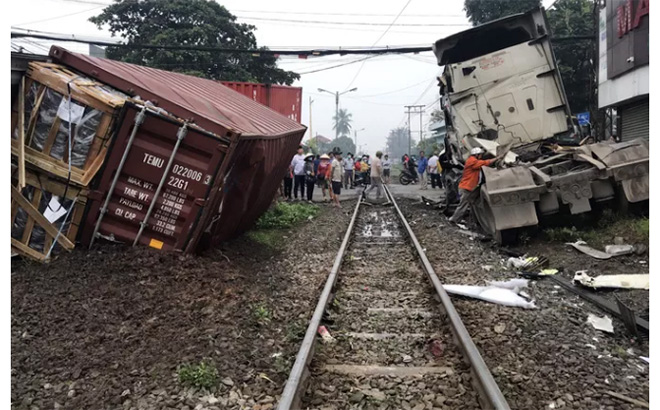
61, 16
358, 23
344, 14
376, 42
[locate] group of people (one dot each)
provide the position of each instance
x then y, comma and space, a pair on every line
308, 171
331, 173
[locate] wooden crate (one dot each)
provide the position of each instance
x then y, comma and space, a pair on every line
27, 210
54, 81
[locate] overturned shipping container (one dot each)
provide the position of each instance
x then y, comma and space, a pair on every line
219, 162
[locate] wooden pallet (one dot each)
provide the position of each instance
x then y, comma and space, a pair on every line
84, 91
42, 184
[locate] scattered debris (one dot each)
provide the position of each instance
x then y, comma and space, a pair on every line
601, 323
628, 399
407, 358
487, 268
499, 328
502, 293
591, 346
546, 272
618, 250
462, 226
646, 359
639, 281
327, 337
582, 247
437, 348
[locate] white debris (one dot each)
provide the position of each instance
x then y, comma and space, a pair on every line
582, 247
487, 268
617, 250
646, 359
463, 227
640, 281
591, 346
501, 293
601, 323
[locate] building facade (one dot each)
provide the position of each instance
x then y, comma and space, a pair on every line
623, 75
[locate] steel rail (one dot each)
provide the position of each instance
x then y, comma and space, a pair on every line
290, 395
486, 385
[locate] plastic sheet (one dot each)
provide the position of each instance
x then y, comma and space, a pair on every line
502, 293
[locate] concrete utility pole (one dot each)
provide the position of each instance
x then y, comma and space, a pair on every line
417, 110
311, 134
337, 94
356, 144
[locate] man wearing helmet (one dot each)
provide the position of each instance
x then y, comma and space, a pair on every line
469, 185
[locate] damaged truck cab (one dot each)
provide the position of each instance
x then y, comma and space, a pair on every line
501, 90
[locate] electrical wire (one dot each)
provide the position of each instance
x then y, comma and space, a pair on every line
379, 38
338, 65
360, 23
345, 14
61, 16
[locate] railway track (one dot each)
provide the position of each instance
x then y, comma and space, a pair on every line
397, 340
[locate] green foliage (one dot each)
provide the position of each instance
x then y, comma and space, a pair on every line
282, 364
342, 122
483, 11
284, 215
295, 330
271, 238
610, 225
344, 143
261, 314
201, 375
575, 18
397, 142
202, 23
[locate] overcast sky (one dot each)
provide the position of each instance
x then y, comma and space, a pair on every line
385, 83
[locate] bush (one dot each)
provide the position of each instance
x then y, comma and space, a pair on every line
284, 215
202, 375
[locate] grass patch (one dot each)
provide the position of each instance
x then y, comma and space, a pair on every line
267, 237
202, 375
285, 215
610, 225
261, 314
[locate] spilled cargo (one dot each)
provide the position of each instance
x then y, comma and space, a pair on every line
151, 157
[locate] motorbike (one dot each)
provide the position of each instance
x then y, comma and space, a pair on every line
407, 176
363, 179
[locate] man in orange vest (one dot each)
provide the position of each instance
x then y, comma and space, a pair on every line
469, 185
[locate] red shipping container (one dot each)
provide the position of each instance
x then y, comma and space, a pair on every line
284, 99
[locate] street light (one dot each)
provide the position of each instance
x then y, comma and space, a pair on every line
337, 94
356, 144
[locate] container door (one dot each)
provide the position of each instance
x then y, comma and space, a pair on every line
185, 190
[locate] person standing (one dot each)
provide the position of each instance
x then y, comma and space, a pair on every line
433, 171
387, 166
376, 175
322, 173
317, 161
337, 174
422, 166
288, 183
298, 168
469, 185
348, 170
310, 176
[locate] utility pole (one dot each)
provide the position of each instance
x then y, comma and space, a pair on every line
337, 94
356, 144
417, 110
311, 134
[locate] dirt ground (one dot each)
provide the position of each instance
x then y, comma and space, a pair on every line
548, 357
108, 329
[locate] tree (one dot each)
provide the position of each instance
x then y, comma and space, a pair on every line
342, 123
202, 23
397, 142
575, 58
483, 11
344, 143
313, 145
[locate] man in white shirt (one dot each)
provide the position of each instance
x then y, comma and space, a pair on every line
387, 166
336, 177
433, 170
348, 164
376, 175
298, 168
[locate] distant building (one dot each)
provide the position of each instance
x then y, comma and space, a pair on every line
320, 139
623, 75
438, 132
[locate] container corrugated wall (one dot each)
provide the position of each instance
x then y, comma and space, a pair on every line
283, 99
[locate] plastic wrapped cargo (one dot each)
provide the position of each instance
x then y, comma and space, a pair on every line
59, 102
261, 141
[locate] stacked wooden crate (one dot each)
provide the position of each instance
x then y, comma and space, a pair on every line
54, 159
